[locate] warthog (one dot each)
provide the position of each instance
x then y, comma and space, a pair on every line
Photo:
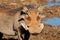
14, 21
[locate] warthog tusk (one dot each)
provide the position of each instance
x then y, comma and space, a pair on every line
24, 25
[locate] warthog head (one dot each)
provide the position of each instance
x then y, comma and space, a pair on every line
31, 20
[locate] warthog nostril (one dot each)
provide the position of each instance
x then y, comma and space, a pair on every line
28, 26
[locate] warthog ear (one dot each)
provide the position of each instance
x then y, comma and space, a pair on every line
40, 9
42, 15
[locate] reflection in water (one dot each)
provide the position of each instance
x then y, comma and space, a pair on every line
53, 21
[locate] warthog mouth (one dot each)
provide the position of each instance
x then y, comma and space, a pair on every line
35, 33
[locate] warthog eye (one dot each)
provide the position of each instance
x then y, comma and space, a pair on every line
23, 13
28, 18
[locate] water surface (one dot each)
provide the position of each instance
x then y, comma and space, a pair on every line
53, 21
50, 3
